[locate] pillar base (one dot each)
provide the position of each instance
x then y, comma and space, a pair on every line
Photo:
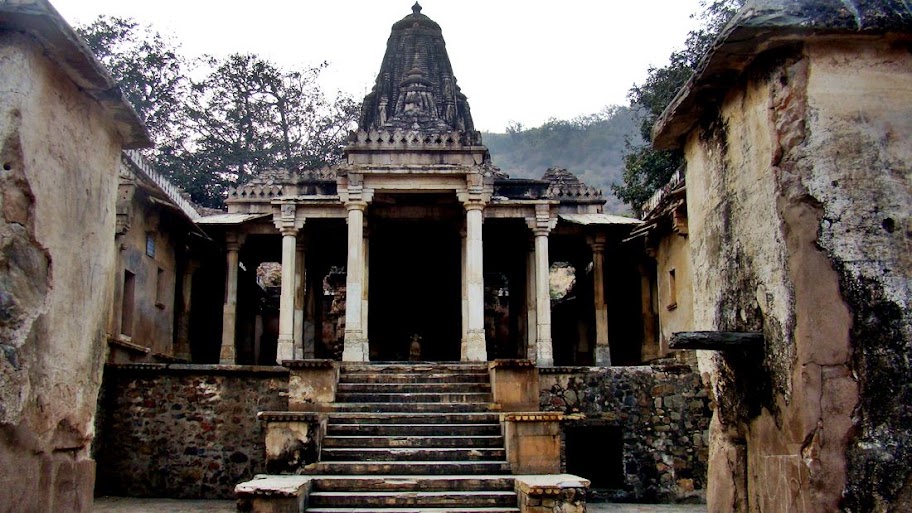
545, 353
602, 356
474, 347
355, 348
227, 353
285, 348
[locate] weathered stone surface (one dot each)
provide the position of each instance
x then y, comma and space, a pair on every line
663, 415
416, 87
798, 194
59, 153
196, 436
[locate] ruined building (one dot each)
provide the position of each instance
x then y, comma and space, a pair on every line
330, 316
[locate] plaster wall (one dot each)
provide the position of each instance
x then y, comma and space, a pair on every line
790, 188
674, 308
155, 277
58, 182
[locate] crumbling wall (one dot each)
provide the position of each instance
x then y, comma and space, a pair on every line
185, 431
663, 413
59, 158
790, 188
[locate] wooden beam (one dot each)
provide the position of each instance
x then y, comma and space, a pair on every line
716, 340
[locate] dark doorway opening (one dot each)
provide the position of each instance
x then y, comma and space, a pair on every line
415, 288
596, 453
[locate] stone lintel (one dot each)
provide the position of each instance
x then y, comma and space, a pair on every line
309, 364
505, 363
532, 417
190, 368
289, 416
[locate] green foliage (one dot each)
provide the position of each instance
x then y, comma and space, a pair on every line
590, 147
645, 168
245, 116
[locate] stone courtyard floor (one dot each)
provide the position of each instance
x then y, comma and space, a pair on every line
130, 505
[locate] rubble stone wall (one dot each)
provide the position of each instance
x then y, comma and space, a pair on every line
59, 155
184, 431
663, 414
798, 192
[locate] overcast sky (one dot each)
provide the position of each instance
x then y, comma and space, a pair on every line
516, 61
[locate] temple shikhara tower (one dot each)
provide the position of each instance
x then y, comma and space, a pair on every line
417, 246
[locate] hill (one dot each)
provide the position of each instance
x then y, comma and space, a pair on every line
591, 147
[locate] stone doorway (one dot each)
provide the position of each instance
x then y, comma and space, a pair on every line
415, 288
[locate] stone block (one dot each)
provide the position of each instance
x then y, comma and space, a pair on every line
312, 384
555, 493
273, 494
514, 384
533, 442
292, 439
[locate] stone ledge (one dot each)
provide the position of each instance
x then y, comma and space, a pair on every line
288, 416
187, 368
549, 484
531, 417
274, 486
308, 364
511, 364
583, 370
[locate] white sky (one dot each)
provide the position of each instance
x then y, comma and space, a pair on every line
516, 61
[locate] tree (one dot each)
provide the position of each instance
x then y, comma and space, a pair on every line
645, 168
148, 67
245, 116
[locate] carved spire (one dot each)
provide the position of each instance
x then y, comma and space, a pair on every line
416, 89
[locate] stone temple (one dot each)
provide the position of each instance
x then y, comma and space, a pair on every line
413, 330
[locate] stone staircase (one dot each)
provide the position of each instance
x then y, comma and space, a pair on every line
413, 437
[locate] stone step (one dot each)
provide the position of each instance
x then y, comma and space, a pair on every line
438, 468
333, 429
410, 441
441, 499
412, 510
413, 418
422, 397
413, 377
416, 367
412, 454
416, 407
413, 388
412, 483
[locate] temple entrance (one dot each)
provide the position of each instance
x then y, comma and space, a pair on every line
415, 288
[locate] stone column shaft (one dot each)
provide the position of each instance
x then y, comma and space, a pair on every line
543, 300
355, 343
285, 350
474, 349
229, 311
465, 292
602, 348
531, 307
299, 290
182, 347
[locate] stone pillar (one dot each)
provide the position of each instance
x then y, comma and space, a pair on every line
541, 226
366, 283
182, 345
355, 348
602, 348
299, 291
474, 348
288, 225
233, 243
531, 306
285, 350
465, 292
